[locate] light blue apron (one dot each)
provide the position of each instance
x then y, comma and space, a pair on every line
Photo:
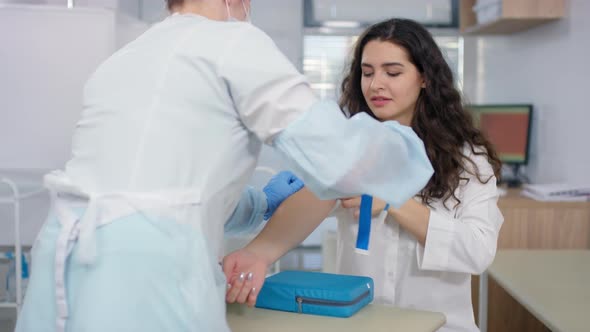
122, 262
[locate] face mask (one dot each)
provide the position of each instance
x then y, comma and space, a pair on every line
233, 19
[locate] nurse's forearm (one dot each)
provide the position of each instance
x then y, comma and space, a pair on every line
413, 217
293, 221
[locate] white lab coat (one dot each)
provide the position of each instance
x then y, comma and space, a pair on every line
172, 122
171, 131
437, 277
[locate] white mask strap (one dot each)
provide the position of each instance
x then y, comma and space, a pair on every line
227, 8
246, 12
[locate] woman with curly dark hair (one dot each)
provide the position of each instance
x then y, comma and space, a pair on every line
422, 254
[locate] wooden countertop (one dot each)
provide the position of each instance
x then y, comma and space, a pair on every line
513, 198
374, 318
553, 285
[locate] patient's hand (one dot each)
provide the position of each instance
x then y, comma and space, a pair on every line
355, 203
245, 272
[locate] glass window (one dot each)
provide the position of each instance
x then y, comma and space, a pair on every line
325, 59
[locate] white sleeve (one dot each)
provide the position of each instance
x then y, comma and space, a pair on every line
267, 90
338, 157
467, 243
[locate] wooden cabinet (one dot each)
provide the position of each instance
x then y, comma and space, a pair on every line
514, 15
530, 224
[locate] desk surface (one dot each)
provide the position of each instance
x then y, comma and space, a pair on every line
513, 198
374, 318
553, 285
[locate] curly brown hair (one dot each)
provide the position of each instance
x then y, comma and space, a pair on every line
439, 119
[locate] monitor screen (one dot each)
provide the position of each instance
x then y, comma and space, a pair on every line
508, 129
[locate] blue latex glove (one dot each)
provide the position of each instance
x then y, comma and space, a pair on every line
278, 189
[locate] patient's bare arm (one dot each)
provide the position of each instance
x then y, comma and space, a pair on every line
293, 221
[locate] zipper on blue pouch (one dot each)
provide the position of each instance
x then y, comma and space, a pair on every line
306, 300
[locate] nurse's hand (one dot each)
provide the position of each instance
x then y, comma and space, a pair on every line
355, 203
245, 272
278, 189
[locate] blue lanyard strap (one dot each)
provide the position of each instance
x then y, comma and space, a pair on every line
362, 240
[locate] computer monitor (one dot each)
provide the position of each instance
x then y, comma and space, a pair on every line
508, 128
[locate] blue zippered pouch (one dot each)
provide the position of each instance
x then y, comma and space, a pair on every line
316, 293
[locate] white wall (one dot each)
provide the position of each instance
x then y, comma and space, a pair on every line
46, 56
548, 67
152, 10
132, 8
